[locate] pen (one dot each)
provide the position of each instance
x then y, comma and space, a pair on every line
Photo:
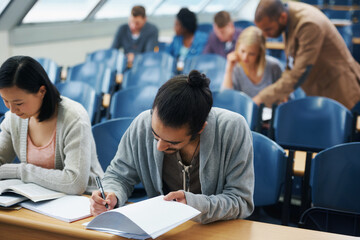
98, 183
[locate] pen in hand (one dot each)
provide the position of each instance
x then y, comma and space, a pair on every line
98, 183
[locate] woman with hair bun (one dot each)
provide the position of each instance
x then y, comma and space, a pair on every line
248, 69
186, 150
50, 134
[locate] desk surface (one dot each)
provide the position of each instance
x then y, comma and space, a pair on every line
25, 224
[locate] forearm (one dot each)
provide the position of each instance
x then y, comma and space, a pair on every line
227, 83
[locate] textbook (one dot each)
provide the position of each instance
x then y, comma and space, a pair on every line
68, 209
31, 191
146, 219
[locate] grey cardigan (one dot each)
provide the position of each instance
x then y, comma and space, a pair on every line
226, 166
76, 163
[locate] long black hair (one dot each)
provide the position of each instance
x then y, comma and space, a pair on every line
27, 74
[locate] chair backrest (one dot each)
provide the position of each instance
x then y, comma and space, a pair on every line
3, 108
154, 59
297, 93
205, 27
243, 23
212, 65
51, 68
238, 102
269, 168
97, 75
335, 178
312, 124
132, 101
141, 76
107, 136
83, 94
111, 57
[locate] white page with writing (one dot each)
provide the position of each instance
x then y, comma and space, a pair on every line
5, 184
69, 208
36, 192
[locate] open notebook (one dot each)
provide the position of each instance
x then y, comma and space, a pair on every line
69, 208
146, 219
19, 190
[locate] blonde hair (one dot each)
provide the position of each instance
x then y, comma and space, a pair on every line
254, 36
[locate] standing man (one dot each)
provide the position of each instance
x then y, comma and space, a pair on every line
223, 39
187, 150
318, 59
137, 36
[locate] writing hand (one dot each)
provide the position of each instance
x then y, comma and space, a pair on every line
97, 203
178, 196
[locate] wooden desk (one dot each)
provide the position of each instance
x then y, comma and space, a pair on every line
25, 224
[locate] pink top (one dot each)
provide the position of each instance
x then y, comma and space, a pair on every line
43, 156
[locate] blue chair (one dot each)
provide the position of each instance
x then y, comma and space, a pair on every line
97, 75
269, 167
161, 47
141, 76
310, 124
51, 68
111, 57
107, 136
334, 177
212, 65
205, 27
154, 59
297, 94
132, 101
335, 192
3, 108
83, 94
238, 102
243, 23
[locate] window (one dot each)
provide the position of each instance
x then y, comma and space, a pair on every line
172, 7
59, 10
121, 8
3, 5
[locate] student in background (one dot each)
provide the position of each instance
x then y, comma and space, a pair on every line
187, 42
223, 39
137, 36
185, 149
248, 69
51, 135
318, 59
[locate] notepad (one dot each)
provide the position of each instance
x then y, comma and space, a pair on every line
31, 191
69, 208
146, 219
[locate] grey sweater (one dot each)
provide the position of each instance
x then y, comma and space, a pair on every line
146, 42
76, 163
226, 166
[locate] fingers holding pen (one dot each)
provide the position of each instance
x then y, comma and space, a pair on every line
97, 203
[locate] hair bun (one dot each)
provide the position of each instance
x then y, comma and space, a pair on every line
197, 79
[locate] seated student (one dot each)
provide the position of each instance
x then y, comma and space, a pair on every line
187, 42
185, 149
247, 68
137, 36
50, 134
222, 40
